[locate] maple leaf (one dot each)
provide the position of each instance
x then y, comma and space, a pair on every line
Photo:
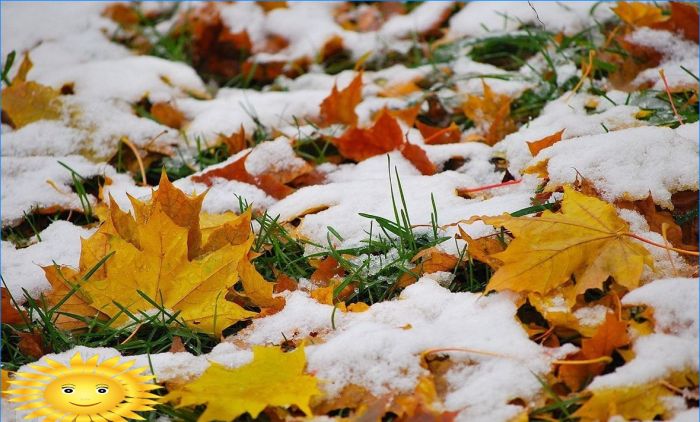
482, 249
639, 402
359, 144
490, 113
587, 240
237, 171
684, 19
417, 156
25, 102
339, 106
273, 378
164, 252
536, 146
639, 14
408, 115
610, 335
166, 114
439, 135
10, 314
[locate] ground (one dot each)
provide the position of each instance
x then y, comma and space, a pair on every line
369, 211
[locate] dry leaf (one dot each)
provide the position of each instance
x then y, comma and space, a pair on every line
641, 402
327, 269
339, 106
408, 115
237, 171
536, 146
684, 19
417, 156
482, 249
359, 144
31, 344
586, 240
273, 378
166, 114
610, 335
439, 135
639, 13
235, 142
164, 253
10, 314
26, 102
490, 113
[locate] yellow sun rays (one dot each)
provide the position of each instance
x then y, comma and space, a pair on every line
84, 390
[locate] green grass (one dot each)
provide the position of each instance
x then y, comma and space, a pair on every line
9, 61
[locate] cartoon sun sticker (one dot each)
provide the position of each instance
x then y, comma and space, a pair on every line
85, 390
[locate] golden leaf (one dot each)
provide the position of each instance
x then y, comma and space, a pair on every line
26, 102
639, 14
273, 378
339, 106
587, 240
166, 252
490, 113
639, 402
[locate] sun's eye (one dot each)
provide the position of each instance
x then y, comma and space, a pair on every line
102, 390
68, 390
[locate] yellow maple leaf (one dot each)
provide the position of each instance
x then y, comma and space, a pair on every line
273, 378
25, 102
639, 13
173, 259
490, 113
587, 240
639, 402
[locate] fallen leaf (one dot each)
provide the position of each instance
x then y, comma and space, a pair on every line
175, 262
439, 135
285, 283
407, 115
235, 142
178, 346
10, 314
359, 144
121, 13
166, 114
610, 335
587, 240
639, 13
639, 402
25, 102
536, 146
237, 171
327, 269
490, 113
31, 344
417, 156
684, 19
483, 248
273, 378
339, 106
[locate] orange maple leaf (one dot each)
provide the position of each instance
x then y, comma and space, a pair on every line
638, 13
610, 335
536, 146
417, 156
490, 113
237, 171
166, 114
359, 144
339, 106
439, 135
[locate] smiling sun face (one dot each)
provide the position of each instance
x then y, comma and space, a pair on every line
84, 390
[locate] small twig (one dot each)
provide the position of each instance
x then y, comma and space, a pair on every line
602, 359
659, 245
487, 187
664, 229
133, 149
586, 72
670, 97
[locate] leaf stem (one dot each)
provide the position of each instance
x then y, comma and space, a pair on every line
659, 245
133, 149
602, 359
670, 97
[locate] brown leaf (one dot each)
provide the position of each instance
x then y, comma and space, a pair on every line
482, 248
490, 113
439, 135
178, 346
284, 283
339, 106
536, 146
235, 142
611, 334
684, 19
237, 171
417, 156
26, 102
10, 314
166, 114
359, 144
327, 269
656, 218
407, 115
31, 344
121, 13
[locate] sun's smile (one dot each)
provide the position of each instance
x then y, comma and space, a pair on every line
85, 389
84, 405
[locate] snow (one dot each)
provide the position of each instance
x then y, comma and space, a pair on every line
675, 305
482, 18
628, 164
21, 268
